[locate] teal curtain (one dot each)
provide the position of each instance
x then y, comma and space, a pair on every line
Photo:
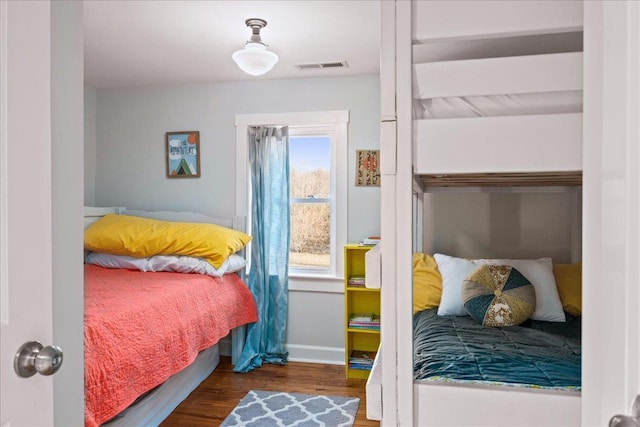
268, 274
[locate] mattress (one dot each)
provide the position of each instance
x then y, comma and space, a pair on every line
569, 101
143, 327
536, 354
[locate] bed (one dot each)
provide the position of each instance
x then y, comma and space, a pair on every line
152, 332
477, 96
535, 354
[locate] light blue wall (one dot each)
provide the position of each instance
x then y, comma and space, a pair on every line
129, 166
131, 126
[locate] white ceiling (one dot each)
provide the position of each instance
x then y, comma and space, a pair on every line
141, 43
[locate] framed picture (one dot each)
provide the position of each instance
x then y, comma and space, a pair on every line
368, 168
183, 154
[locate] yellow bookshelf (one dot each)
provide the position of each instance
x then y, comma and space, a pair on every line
358, 300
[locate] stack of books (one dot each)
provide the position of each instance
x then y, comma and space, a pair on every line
364, 321
363, 360
370, 241
356, 281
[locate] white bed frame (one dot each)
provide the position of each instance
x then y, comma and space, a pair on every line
158, 404
536, 145
532, 143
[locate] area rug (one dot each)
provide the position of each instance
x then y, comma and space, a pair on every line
269, 408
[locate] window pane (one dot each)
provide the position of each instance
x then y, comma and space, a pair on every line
310, 166
310, 235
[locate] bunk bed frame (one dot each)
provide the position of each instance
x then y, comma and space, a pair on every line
423, 154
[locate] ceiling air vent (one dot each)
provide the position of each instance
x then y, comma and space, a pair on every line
342, 64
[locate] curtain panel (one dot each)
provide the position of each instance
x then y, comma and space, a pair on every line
270, 228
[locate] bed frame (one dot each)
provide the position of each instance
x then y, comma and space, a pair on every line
433, 49
158, 404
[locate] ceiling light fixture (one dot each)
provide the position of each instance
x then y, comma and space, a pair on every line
255, 59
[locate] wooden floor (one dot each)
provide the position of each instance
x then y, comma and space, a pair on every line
216, 397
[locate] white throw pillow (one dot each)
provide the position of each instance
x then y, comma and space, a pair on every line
540, 274
454, 271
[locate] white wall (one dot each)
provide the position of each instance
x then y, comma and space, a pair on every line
89, 146
130, 171
506, 225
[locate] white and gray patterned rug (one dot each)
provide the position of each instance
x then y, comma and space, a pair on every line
277, 409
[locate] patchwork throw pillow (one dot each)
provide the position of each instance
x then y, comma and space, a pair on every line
498, 296
540, 274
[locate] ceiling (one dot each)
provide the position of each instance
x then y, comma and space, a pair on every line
142, 43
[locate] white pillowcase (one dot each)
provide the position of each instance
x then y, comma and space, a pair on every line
539, 272
454, 271
171, 263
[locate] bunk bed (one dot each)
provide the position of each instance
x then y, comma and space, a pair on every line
170, 322
495, 102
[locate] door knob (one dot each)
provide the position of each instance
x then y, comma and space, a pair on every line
626, 420
32, 358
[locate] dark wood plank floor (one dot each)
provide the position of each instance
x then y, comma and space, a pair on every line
216, 397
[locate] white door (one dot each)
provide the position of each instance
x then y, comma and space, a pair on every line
611, 205
25, 206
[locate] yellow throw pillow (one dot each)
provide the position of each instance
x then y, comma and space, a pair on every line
427, 283
143, 237
569, 282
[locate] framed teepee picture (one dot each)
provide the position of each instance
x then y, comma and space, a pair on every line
183, 154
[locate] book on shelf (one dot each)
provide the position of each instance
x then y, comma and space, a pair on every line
359, 359
369, 321
370, 241
356, 281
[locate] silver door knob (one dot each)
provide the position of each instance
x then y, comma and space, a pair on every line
624, 421
32, 358
632, 420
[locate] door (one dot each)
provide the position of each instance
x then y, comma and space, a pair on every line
611, 226
25, 206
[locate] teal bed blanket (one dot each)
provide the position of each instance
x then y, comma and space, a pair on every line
535, 354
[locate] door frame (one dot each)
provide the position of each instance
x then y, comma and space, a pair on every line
611, 214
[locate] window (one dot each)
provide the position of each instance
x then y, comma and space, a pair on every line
312, 199
318, 176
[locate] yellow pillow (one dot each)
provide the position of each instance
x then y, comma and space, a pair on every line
569, 282
427, 283
144, 237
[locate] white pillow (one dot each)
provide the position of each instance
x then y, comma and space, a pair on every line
172, 263
540, 274
454, 271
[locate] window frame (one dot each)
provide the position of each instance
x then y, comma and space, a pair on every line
332, 123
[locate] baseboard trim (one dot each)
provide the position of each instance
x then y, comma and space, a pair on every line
316, 354
300, 353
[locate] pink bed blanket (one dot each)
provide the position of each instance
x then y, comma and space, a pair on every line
140, 328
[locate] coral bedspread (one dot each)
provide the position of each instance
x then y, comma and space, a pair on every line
141, 328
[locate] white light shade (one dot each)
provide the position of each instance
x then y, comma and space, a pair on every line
255, 59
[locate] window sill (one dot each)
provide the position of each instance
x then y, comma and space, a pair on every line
316, 283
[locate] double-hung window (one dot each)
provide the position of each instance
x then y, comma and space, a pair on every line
312, 198
318, 186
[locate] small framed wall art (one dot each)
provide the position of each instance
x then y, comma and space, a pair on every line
183, 154
368, 168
